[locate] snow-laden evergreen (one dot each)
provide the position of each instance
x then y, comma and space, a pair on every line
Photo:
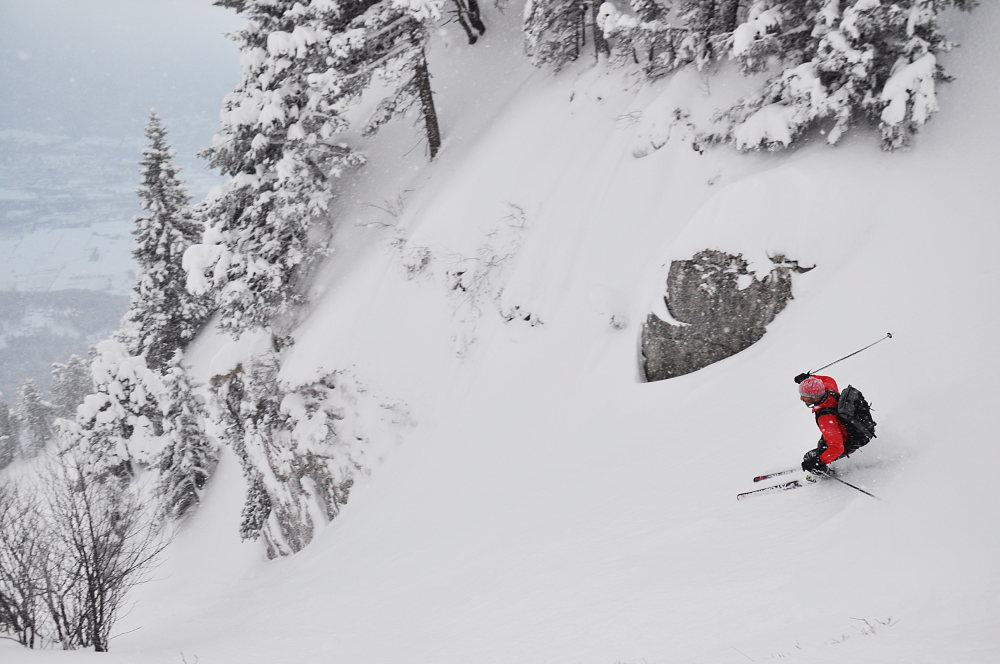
300, 446
9, 439
116, 428
163, 316
189, 455
283, 142
395, 54
34, 415
841, 62
279, 143
828, 64
71, 382
553, 31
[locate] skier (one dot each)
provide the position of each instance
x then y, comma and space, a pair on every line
845, 422
821, 393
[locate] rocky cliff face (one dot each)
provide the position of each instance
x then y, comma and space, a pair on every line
720, 308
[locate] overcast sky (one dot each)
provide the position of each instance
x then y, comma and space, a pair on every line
86, 68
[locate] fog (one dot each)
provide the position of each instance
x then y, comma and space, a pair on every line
77, 81
95, 67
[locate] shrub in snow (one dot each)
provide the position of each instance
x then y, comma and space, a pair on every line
22, 604
476, 284
71, 550
163, 316
414, 259
718, 308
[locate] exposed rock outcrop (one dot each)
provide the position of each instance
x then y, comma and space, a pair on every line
720, 308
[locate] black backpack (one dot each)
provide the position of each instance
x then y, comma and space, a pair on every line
855, 413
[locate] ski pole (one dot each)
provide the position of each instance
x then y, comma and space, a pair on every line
888, 335
856, 488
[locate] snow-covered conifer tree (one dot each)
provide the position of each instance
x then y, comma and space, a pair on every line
644, 36
708, 28
117, 427
71, 382
282, 141
300, 447
908, 40
394, 50
9, 440
247, 404
189, 456
659, 35
34, 415
279, 143
841, 61
163, 316
662, 35
556, 31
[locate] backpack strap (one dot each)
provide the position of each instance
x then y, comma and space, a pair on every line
830, 410
849, 447
826, 411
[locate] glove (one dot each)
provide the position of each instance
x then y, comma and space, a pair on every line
811, 463
801, 377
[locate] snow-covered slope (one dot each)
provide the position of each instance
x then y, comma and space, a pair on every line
548, 506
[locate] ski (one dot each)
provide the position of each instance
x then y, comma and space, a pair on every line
787, 486
768, 476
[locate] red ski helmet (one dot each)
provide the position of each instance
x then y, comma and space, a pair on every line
812, 388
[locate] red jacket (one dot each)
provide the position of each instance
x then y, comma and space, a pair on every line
834, 433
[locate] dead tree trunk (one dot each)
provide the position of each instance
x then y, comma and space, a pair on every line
475, 17
467, 13
600, 43
422, 79
725, 19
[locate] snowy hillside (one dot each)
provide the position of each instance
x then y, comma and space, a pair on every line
543, 505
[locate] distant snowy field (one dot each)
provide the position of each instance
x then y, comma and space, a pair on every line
67, 209
78, 81
91, 257
547, 507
